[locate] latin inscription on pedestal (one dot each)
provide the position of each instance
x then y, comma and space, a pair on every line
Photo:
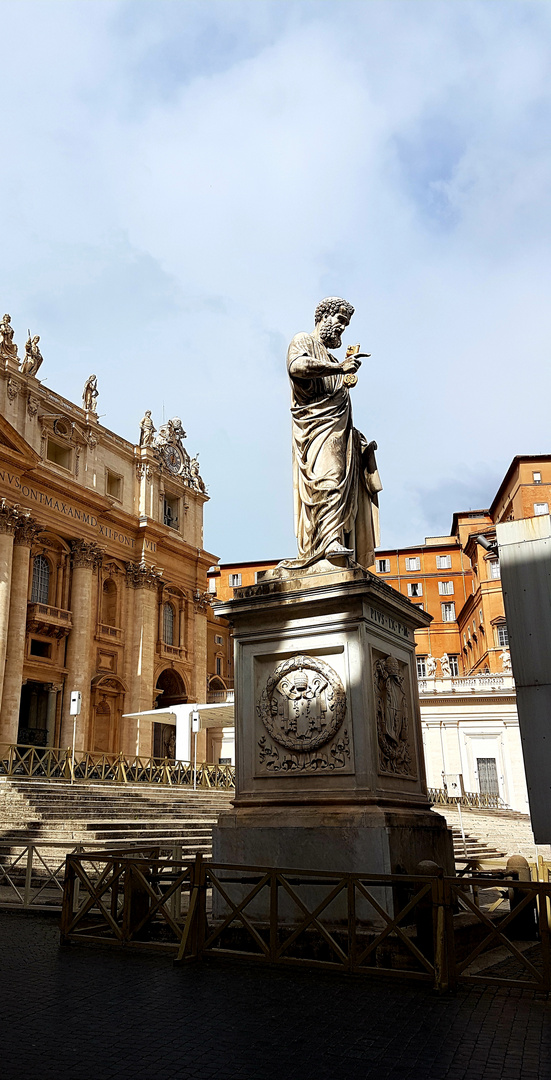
302, 709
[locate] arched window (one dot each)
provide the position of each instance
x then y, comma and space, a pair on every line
168, 624
40, 589
109, 603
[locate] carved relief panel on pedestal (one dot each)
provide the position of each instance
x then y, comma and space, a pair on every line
302, 709
395, 735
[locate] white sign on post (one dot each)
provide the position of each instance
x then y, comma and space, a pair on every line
76, 703
525, 560
75, 706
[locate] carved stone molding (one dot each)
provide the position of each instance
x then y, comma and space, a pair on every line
303, 704
26, 531
32, 405
9, 516
392, 716
13, 388
201, 601
86, 553
143, 470
140, 576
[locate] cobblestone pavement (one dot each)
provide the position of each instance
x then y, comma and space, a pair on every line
93, 1013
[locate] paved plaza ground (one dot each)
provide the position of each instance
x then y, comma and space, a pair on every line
89, 1013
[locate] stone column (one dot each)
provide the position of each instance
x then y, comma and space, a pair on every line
17, 627
199, 659
145, 581
85, 558
51, 715
8, 523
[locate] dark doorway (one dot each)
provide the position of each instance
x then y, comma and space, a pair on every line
170, 689
164, 741
33, 715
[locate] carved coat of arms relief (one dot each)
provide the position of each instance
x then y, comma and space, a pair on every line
302, 708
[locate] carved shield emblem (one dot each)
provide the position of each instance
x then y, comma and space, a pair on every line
303, 704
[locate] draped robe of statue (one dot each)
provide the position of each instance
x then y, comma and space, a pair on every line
334, 471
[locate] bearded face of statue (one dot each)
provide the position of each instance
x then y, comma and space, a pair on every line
331, 329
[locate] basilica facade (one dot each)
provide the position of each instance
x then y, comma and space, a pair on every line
103, 575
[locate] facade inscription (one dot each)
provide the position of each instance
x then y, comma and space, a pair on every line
42, 498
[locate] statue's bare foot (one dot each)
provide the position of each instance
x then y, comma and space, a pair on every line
337, 549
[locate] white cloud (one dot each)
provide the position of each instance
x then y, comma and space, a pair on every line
183, 182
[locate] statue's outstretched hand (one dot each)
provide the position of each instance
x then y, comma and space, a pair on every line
350, 364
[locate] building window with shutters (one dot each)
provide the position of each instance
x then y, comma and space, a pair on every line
235, 580
40, 588
383, 566
448, 612
413, 563
415, 588
541, 508
454, 665
168, 624
503, 636
443, 562
495, 572
445, 588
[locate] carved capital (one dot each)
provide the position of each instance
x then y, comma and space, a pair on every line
140, 576
86, 553
201, 601
9, 516
27, 529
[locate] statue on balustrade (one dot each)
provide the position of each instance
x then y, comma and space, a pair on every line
8, 348
336, 482
90, 394
147, 430
33, 357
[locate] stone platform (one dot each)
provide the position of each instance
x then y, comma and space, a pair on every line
329, 757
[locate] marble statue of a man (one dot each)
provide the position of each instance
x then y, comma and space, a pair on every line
335, 474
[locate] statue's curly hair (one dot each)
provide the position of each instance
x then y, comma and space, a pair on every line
330, 306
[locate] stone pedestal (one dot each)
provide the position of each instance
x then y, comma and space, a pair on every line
329, 758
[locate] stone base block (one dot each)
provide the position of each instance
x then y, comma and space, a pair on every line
370, 839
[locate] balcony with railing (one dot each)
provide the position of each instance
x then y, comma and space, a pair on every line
469, 684
48, 620
220, 695
112, 633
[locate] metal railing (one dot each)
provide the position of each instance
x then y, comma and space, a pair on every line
387, 924
53, 763
476, 800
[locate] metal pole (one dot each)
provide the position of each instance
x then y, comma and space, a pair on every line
73, 751
195, 761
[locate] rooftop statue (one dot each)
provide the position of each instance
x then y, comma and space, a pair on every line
33, 357
147, 430
90, 394
8, 348
336, 482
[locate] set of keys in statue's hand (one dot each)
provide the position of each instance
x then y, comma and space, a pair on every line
351, 363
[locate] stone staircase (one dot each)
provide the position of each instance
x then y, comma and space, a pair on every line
108, 815
492, 835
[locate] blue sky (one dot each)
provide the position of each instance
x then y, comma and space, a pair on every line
181, 182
